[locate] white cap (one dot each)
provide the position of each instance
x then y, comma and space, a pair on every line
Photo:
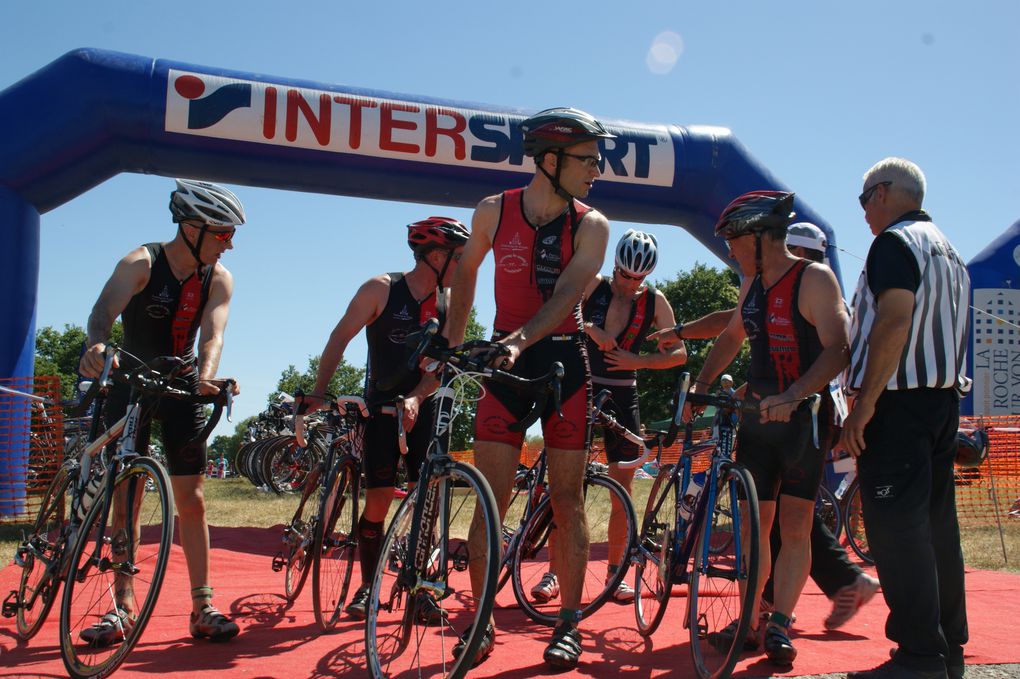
806, 235
726, 378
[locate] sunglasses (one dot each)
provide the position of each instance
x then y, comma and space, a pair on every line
221, 236
590, 162
627, 276
869, 192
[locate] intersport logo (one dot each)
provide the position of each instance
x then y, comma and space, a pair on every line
340, 122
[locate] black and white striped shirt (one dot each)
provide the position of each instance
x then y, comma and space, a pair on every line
936, 350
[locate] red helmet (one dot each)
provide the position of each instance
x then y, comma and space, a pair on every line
557, 128
755, 212
436, 232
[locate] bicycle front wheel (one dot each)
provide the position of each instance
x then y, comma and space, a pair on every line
336, 540
855, 532
655, 552
723, 581
416, 615
116, 571
41, 555
299, 539
533, 558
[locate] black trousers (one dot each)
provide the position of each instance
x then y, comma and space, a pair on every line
909, 502
831, 567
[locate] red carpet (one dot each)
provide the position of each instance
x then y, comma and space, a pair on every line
279, 642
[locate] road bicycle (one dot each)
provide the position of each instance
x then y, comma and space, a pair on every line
527, 558
421, 603
105, 527
702, 531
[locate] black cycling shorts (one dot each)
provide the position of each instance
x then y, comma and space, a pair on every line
180, 422
502, 405
781, 456
627, 412
382, 449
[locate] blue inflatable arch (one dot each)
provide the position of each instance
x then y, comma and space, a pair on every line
93, 113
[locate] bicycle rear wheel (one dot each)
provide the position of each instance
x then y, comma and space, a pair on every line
652, 582
41, 555
855, 532
415, 617
532, 560
337, 539
299, 539
722, 583
116, 571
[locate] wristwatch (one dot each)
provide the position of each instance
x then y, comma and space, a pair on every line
679, 330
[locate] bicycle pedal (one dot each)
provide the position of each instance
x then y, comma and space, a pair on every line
10, 605
279, 562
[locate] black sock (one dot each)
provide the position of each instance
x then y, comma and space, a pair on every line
370, 539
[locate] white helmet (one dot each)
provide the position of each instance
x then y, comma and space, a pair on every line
637, 253
208, 203
806, 235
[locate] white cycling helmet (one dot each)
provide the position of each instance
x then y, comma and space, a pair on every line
208, 203
806, 235
637, 253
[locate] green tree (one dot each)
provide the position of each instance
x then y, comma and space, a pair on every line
57, 353
227, 446
346, 380
692, 294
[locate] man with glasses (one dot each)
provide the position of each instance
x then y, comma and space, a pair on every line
547, 246
167, 294
908, 355
388, 308
619, 313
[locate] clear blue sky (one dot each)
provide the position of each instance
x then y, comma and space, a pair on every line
817, 91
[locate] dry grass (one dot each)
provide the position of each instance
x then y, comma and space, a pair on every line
234, 502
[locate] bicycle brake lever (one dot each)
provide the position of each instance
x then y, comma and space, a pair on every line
814, 403
683, 384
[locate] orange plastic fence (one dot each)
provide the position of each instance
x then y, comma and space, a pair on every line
28, 466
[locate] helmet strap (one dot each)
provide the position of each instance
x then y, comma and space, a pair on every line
197, 247
555, 180
757, 252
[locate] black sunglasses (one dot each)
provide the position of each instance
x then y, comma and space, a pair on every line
868, 192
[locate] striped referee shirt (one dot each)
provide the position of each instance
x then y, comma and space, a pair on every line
936, 349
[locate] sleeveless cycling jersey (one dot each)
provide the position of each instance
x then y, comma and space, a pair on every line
783, 343
387, 352
529, 261
163, 319
639, 323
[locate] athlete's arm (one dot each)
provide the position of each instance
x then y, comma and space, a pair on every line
725, 349
214, 323
821, 305
626, 360
129, 278
462, 290
707, 327
589, 252
366, 305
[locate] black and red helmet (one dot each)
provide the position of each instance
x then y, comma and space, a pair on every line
756, 212
971, 449
436, 232
558, 128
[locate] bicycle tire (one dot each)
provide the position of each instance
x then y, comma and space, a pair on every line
393, 624
827, 508
299, 541
655, 552
44, 551
284, 470
531, 560
336, 540
95, 564
725, 579
856, 532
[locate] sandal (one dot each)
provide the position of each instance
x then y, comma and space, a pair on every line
111, 629
213, 625
564, 651
484, 649
778, 648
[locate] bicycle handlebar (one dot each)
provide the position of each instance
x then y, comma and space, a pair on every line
475, 356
